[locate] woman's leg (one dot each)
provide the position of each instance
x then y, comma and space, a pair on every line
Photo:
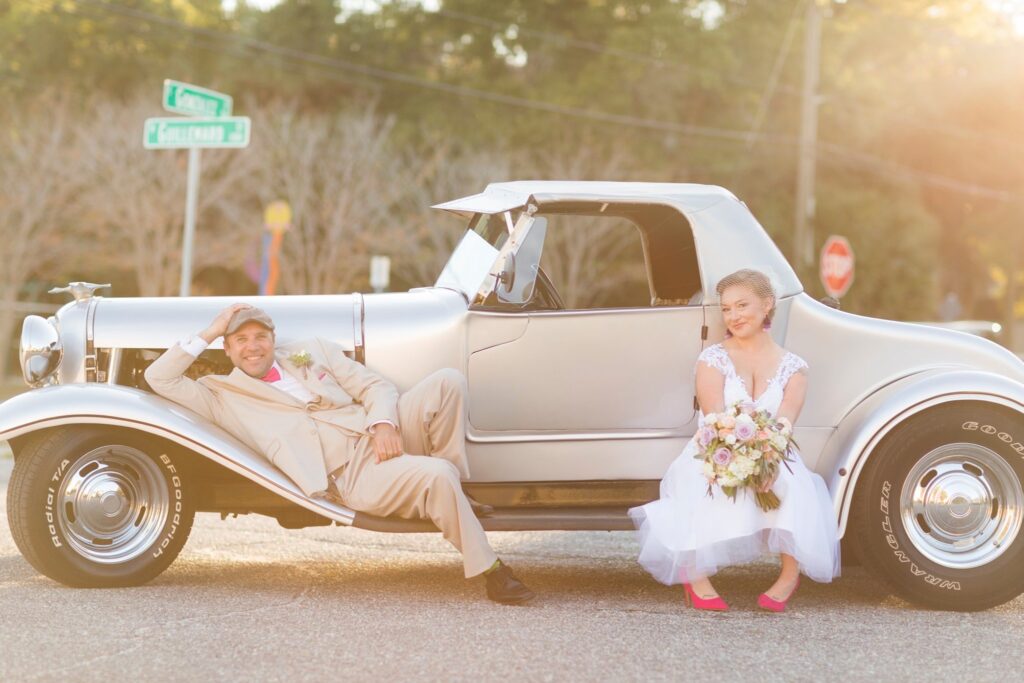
788, 577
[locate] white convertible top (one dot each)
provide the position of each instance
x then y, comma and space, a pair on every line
499, 197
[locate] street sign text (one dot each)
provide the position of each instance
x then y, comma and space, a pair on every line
177, 133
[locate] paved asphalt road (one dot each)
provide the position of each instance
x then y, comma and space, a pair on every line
248, 600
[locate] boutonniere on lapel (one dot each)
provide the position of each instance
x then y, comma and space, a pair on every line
301, 359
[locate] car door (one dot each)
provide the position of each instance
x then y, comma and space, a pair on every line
597, 389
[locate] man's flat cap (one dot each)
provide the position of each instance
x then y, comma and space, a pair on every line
249, 315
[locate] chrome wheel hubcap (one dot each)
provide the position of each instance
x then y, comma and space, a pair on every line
961, 505
111, 504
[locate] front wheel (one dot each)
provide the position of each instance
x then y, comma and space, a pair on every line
940, 505
96, 507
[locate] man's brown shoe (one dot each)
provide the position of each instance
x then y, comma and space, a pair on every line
504, 587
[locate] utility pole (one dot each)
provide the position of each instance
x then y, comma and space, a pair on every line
803, 238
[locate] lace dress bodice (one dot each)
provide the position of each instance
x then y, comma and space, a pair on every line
717, 357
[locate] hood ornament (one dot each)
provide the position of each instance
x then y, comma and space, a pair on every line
82, 291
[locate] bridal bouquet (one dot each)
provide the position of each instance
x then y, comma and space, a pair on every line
743, 447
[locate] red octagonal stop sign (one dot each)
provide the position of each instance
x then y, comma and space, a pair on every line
836, 266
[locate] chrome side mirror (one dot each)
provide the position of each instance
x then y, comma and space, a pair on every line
518, 273
507, 274
41, 350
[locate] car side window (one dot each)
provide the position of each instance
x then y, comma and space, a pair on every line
595, 261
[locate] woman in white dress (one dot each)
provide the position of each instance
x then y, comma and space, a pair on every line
686, 536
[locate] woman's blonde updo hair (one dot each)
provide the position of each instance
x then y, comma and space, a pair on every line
754, 280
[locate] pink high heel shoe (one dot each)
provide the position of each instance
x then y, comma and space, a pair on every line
715, 604
766, 602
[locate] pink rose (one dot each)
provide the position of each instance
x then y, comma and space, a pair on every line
747, 408
722, 457
722, 433
706, 435
727, 421
763, 434
745, 431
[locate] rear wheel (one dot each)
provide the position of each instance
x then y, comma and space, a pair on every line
97, 507
940, 506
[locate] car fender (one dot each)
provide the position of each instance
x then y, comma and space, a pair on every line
861, 430
104, 404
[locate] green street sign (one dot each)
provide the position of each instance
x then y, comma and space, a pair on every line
177, 133
191, 100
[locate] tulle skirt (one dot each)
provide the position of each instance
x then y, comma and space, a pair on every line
686, 534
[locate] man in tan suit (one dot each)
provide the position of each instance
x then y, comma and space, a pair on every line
340, 431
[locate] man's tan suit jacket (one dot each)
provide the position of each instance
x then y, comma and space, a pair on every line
305, 441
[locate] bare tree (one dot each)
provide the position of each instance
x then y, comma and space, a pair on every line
589, 260
136, 197
342, 180
443, 173
36, 190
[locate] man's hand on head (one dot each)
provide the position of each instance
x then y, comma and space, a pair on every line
219, 325
387, 442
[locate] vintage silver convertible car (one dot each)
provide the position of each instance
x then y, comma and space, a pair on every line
574, 413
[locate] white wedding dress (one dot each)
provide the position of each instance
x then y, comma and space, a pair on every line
686, 534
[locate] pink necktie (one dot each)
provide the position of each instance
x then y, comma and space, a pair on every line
271, 376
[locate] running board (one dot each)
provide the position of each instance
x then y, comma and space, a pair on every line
511, 519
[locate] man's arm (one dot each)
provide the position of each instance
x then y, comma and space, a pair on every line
166, 375
378, 396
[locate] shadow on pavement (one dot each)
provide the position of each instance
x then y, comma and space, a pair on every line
411, 583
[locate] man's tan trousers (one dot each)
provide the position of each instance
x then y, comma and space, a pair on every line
425, 481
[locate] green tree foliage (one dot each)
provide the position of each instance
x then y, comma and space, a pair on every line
921, 102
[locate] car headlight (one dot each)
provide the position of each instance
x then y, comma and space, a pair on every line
41, 350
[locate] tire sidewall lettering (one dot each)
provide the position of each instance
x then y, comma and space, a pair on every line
901, 556
49, 513
172, 479
891, 525
171, 528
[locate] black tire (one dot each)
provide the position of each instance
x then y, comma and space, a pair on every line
914, 522
98, 507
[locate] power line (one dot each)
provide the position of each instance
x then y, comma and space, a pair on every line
773, 79
234, 50
440, 86
848, 157
598, 48
837, 151
922, 124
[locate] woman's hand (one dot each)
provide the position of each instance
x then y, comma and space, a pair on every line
767, 486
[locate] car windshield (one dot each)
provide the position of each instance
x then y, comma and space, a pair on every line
492, 227
473, 257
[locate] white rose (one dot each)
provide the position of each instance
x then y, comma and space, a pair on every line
730, 439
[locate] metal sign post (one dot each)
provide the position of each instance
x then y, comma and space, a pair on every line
209, 125
191, 193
